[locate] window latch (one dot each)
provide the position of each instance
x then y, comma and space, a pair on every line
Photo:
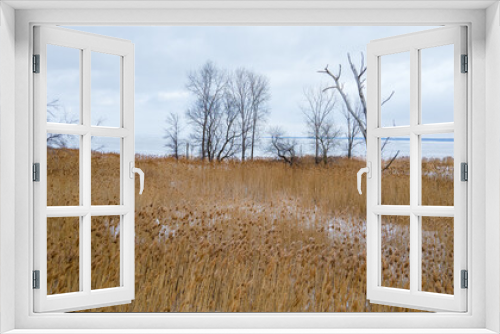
368, 171
133, 170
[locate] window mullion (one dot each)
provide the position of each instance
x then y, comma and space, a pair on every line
85, 240
414, 181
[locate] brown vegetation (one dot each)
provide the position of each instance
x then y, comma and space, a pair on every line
251, 237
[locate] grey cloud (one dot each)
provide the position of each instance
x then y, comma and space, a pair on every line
290, 56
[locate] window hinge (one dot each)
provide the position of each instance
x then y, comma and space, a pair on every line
36, 279
465, 279
36, 172
465, 64
36, 63
464, 171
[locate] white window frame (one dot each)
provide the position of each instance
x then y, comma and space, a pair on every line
413, 44
86, 44
483, 314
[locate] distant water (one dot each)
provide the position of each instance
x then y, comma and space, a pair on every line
431, 147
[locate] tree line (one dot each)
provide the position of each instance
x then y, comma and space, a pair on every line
230, 108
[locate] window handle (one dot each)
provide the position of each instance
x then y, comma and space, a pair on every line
368, 171
141, 175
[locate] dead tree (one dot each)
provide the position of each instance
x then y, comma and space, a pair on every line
281, 146
318, 107
360, 78
351, 131
172, 134
359, 74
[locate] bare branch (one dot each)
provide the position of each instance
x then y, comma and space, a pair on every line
390, 161
284, 148
387, 99
340, 89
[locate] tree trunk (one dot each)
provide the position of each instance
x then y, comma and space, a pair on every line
349, 148
253, 141
243, 149
203, 146
316, 156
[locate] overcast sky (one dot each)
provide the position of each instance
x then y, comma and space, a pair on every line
289, 56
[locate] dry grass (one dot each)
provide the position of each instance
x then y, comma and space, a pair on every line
253, 237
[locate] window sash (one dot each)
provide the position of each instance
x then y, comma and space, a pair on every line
414, 298
85, 298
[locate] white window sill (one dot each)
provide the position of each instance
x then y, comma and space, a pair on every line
250, 331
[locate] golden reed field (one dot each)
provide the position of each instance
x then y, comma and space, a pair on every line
248, 237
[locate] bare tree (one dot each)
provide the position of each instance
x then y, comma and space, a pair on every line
207, 84
359, 74
173, 134
224, 134
228, 110
327, 140
318, 110
227, 134
260, 96
281, 146
239, 88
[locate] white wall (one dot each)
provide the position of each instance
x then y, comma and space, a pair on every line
7, 162
493, 162
479, 124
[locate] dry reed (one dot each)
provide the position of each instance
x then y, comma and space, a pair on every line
254, 237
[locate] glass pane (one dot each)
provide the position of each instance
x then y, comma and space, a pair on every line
437, 169
395, 166
63, 84
395, 89
437, 254
105, 171
105, 252
105, 94
436, 84
63, 255
395, 251
63, 169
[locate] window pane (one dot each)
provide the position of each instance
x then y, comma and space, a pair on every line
63, 255
105, 171
63, 84
437, 169
105, 94
105, 252
436, 84
395, 166
63, 169
395, 86
395, 251
437, 254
